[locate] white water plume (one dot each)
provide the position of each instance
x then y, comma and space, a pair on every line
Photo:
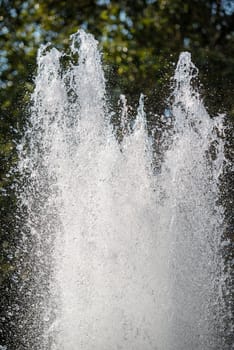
132, 257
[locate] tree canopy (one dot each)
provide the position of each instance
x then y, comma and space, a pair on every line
141, 41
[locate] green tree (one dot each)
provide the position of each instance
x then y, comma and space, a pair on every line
140, 39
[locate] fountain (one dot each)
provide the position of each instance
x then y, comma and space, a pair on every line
117, 254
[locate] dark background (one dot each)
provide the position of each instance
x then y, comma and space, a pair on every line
141, 41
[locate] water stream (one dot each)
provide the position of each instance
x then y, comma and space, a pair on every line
122, 256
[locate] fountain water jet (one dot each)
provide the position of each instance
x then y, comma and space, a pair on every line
126, 258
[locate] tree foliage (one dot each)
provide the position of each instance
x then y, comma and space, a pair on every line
141, 40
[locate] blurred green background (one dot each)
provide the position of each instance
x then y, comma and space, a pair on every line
141, 41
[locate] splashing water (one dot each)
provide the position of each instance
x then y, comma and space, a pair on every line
121, 257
